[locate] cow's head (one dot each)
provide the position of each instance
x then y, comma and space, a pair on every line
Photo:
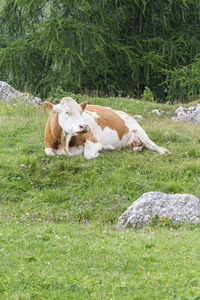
69, 115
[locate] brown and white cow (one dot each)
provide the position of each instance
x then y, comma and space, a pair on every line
90, 129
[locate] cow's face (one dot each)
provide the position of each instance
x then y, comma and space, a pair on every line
70, 116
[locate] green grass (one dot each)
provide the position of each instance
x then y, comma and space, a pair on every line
63, 194
70, 260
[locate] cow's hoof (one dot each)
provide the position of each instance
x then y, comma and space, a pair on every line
137, 149
165, 151
60, 150
168, 152
49, 151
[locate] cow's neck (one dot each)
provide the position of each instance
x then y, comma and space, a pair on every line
68, 137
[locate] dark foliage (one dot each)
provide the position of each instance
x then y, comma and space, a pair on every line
102, 47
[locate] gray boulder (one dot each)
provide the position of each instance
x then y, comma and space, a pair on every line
8, 93
189, 114
177, 207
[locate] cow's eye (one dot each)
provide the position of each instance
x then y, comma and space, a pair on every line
66, 113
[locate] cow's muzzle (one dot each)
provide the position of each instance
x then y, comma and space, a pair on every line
83, 128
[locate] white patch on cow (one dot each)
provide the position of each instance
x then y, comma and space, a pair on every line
107, 137
91, 150
76, 150
68, 139
60, 150
49, 151
137, 149
92, 113
130, 122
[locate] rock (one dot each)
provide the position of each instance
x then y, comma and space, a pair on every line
177, 207
189, 114
174, 119
8, 93
138, 117
157, 112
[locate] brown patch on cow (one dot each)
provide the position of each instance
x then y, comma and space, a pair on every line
109, 118
79, 140
53, 132
83, 105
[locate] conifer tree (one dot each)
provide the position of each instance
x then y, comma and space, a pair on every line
109, 46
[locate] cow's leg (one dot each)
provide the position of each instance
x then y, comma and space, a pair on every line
91, 149
143, 137
50, 151
60, 150
52, 145
137, 149
76, 150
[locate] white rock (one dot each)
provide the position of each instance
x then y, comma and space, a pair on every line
174, 119
190, 114
191, 108
138, 117
177, 207
8, 93
157, 112
197, 118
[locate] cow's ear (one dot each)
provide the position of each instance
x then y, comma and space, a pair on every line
52, 108
48, 105
83, 105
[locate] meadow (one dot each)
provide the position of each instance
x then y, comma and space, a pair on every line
59, 237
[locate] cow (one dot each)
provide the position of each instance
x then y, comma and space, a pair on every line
74, 129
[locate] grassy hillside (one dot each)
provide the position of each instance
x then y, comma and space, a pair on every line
101, 188
81, 200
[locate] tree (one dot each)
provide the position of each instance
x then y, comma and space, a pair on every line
109, 46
